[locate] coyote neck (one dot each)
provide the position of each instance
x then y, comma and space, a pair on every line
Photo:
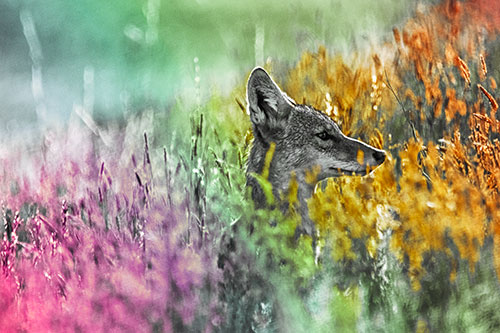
280, 182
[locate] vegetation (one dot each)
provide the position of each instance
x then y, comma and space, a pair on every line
129, 228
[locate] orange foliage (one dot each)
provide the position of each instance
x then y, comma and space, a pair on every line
445, 191
351, 93
454, 105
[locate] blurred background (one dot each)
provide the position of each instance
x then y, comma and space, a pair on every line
112, 58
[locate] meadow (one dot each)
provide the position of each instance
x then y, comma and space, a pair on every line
145, 224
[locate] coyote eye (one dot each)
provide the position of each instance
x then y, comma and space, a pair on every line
323, 135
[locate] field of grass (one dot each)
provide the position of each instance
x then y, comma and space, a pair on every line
144, 224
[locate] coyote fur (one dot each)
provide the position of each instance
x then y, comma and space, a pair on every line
305, 141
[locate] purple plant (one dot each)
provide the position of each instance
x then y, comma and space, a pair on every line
93, 243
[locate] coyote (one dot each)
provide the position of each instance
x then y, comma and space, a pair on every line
305, 141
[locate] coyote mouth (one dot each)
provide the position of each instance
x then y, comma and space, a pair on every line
358, 172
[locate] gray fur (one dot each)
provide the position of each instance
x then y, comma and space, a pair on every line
305, 138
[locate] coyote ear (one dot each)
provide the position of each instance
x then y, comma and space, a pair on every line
268, 106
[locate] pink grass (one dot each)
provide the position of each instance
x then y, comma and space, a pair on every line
90, 243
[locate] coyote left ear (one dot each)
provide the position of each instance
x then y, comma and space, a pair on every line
268, 106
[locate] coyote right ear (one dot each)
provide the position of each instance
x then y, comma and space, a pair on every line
268, 106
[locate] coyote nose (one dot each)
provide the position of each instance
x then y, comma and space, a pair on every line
379, 156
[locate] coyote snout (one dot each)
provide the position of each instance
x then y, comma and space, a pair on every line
306, 141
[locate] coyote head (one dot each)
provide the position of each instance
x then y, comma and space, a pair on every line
305, 139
